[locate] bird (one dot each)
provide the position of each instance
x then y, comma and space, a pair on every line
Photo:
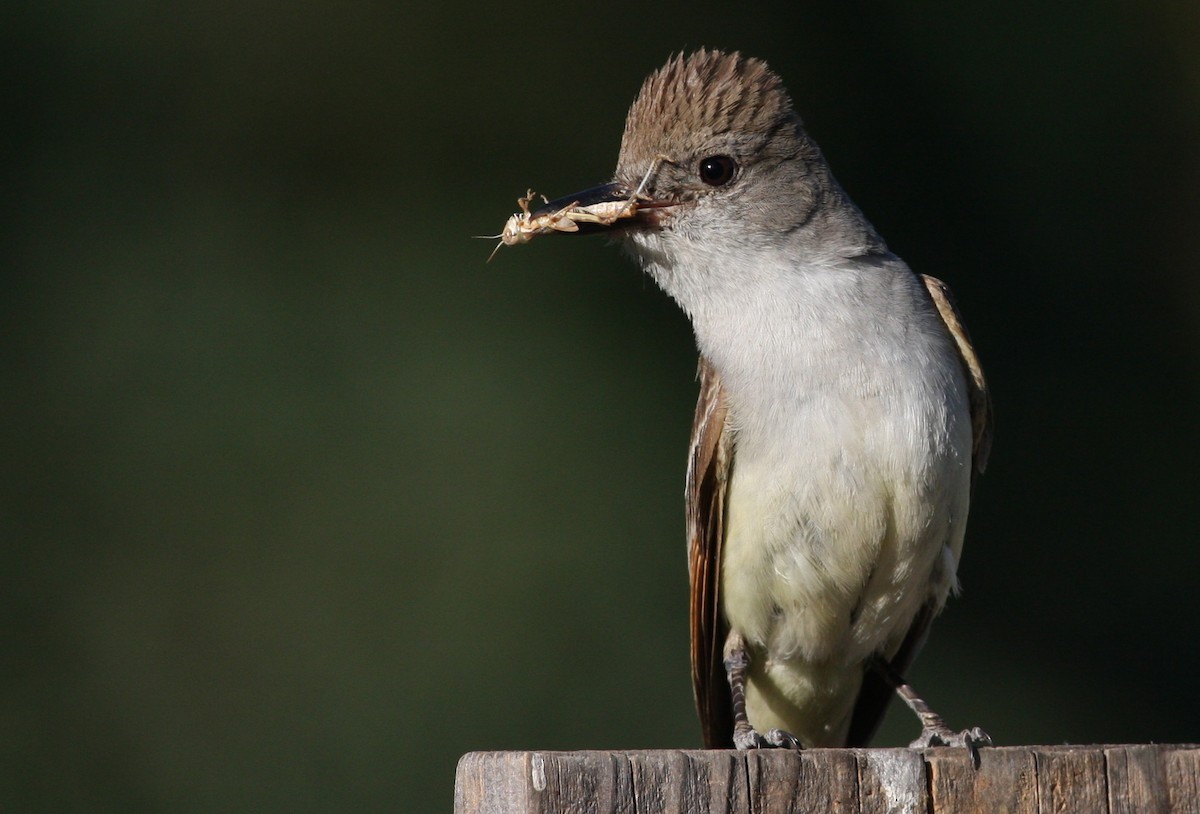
842, 421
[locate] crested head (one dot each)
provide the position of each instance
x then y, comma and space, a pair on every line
704, 98
724, 162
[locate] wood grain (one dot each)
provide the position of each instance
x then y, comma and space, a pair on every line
1154, 779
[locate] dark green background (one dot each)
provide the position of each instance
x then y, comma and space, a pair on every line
302, 500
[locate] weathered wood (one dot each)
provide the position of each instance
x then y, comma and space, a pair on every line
1071, 780
1005, 780
1153, 779
1182, 769
1136, 781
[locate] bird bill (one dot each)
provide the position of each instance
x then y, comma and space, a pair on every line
525, 226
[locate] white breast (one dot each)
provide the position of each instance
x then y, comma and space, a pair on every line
852, 459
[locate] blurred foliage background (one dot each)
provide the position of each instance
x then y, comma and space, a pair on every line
301, 500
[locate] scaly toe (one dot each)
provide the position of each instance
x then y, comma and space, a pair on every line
783, 740
750, 738
944, 736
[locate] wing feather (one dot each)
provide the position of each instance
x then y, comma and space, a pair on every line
977, 389
707, 481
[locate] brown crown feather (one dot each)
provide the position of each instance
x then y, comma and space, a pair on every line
703, 96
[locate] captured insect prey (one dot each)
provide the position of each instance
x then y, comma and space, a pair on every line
525, 225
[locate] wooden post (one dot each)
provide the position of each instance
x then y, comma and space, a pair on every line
1019, 779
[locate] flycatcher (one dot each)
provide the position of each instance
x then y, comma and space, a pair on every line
843, 414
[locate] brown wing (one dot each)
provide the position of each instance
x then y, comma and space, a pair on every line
977, 389
707, 479
876, 694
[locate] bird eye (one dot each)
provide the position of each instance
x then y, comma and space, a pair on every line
717, 170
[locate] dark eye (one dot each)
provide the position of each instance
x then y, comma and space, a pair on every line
717, 170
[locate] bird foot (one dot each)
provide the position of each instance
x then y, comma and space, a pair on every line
942, 735
750, 738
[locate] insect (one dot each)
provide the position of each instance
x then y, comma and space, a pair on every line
524, 227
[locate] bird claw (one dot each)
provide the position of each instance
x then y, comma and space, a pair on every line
750, 738
969, 739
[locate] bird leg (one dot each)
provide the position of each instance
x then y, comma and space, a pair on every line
745, 736
934, 731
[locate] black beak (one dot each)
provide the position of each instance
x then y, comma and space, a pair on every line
606, 193
647, 212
